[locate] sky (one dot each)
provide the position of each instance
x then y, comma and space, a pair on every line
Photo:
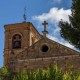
11, 12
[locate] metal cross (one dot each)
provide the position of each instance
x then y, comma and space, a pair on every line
44, 24
45, 32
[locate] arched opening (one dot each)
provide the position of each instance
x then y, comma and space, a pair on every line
16, 41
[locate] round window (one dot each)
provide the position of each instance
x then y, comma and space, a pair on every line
44, 48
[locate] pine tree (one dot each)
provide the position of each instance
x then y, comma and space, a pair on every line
71, 31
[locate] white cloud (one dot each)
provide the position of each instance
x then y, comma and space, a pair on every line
53, 17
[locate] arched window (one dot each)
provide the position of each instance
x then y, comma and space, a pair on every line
16, 41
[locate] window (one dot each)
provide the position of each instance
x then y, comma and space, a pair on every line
44, 48
16, 41
33, 40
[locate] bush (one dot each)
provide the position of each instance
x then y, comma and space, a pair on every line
52, 73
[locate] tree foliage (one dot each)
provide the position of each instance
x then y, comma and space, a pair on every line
52, 73
70, 31
21, 76
4, 73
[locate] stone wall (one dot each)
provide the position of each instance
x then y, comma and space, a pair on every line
42, 63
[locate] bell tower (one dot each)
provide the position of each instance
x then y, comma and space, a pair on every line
18, 38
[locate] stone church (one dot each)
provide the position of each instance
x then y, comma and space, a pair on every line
26, 49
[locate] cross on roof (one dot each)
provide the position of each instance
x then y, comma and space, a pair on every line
45, 32
44, 24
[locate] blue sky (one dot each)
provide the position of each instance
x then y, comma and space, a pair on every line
11, 11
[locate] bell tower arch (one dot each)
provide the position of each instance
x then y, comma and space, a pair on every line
16, 41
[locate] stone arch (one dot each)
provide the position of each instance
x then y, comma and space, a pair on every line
16, 41
18, 33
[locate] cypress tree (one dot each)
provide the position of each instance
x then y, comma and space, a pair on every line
71, 31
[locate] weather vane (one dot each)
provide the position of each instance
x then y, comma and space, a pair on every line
24, 16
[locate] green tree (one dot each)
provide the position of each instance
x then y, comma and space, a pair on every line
31, 75
71, 31
4, 73
54, 73
39, 75
21, 76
